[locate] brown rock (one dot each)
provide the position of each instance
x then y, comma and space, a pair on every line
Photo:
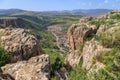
77, 33
36, 68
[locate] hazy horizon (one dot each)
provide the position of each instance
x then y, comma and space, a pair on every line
59, 5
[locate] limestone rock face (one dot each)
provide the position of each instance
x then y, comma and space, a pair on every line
73, 58
36, 68
90, 51
20, 43
77, 33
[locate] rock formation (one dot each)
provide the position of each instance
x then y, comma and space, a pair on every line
73, 58
90, 51
20, 43
36, 68
77, 33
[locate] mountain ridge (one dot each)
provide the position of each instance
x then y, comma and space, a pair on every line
86, 12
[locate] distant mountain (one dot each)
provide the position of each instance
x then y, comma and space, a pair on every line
89, 12
10, 11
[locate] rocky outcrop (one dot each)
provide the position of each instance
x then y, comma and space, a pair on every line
90, 51
20, 43
73, 58
77, 33
36, 68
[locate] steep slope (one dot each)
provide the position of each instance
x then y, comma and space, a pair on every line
96, 54
17, 23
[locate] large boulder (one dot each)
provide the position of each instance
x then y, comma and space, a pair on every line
77, 33
20, 43
36, 68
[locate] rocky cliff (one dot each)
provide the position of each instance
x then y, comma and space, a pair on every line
94, 42
30, 62
20, 43
17, 22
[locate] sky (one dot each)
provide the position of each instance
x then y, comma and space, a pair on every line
51, 5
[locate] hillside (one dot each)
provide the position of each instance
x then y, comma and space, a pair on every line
59, 47
95, 48
38, 23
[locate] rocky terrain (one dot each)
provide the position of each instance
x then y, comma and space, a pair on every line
91, 50
21, 45
94, 42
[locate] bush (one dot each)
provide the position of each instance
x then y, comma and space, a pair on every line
4, 57
117, 16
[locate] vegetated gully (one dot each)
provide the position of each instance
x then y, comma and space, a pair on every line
61, 37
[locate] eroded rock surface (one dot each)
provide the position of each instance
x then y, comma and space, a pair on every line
20, 43
90, 51
77, 33
36, 68
73, 58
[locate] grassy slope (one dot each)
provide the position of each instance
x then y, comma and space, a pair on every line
110, 58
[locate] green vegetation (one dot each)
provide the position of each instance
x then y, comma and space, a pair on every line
78, 73
110, 40
98, 23
56, 60
4, 57
102, 75
48, 40
112, 60
117, 16
96, 37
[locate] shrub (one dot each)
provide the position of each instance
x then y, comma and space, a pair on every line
4, 57
78, 73
117, 16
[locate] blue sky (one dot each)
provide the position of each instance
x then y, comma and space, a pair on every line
49, 5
